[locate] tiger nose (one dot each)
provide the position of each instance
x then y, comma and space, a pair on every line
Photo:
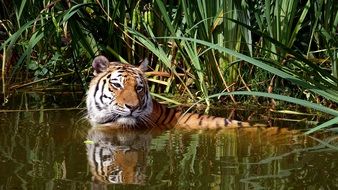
131, 107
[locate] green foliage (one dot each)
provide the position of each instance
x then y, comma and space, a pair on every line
286, 47
72, 31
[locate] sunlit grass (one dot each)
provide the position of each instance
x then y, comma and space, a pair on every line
204, 48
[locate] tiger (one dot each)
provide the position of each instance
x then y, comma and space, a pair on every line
119, 96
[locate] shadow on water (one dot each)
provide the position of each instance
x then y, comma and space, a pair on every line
49, 147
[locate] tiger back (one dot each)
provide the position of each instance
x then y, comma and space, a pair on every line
118, 96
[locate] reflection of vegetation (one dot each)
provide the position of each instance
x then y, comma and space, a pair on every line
290, 46
252, 158
39, 146
305, 174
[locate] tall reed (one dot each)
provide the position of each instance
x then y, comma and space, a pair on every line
202, 48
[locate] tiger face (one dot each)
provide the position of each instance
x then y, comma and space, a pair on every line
118, 94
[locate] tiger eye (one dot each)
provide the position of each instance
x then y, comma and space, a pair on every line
138, 88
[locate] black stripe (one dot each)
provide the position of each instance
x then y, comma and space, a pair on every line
101, 161
97, 85
164, 114
188, 117
105, 96
97, 106
95, 162
145, 103
167, 110
170, 116
96, 88
110, 88
160, 112
200, 122
101, 97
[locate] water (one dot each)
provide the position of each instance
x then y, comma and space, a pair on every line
49, 147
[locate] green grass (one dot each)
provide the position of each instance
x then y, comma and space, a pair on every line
280, 47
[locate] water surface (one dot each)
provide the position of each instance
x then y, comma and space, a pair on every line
50, 147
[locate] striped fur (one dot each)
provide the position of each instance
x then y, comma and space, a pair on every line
119, 96
118, 156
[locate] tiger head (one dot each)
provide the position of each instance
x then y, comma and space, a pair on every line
118, 93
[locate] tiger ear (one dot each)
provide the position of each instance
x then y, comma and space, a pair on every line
100, 64
144, 65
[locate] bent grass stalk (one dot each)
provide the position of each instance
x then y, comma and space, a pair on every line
314, 85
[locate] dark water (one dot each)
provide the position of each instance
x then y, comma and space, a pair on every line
48, 147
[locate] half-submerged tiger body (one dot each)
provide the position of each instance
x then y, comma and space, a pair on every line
119, 96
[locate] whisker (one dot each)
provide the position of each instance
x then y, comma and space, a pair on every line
147, 122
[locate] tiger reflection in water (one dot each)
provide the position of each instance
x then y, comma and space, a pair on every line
118, 155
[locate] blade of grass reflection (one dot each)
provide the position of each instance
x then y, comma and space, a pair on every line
159, 143
190, 155
13, 133
251, 180
327, 142
315, 148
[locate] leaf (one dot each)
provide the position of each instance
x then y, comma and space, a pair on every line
323, 125
32, 65
88, 142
